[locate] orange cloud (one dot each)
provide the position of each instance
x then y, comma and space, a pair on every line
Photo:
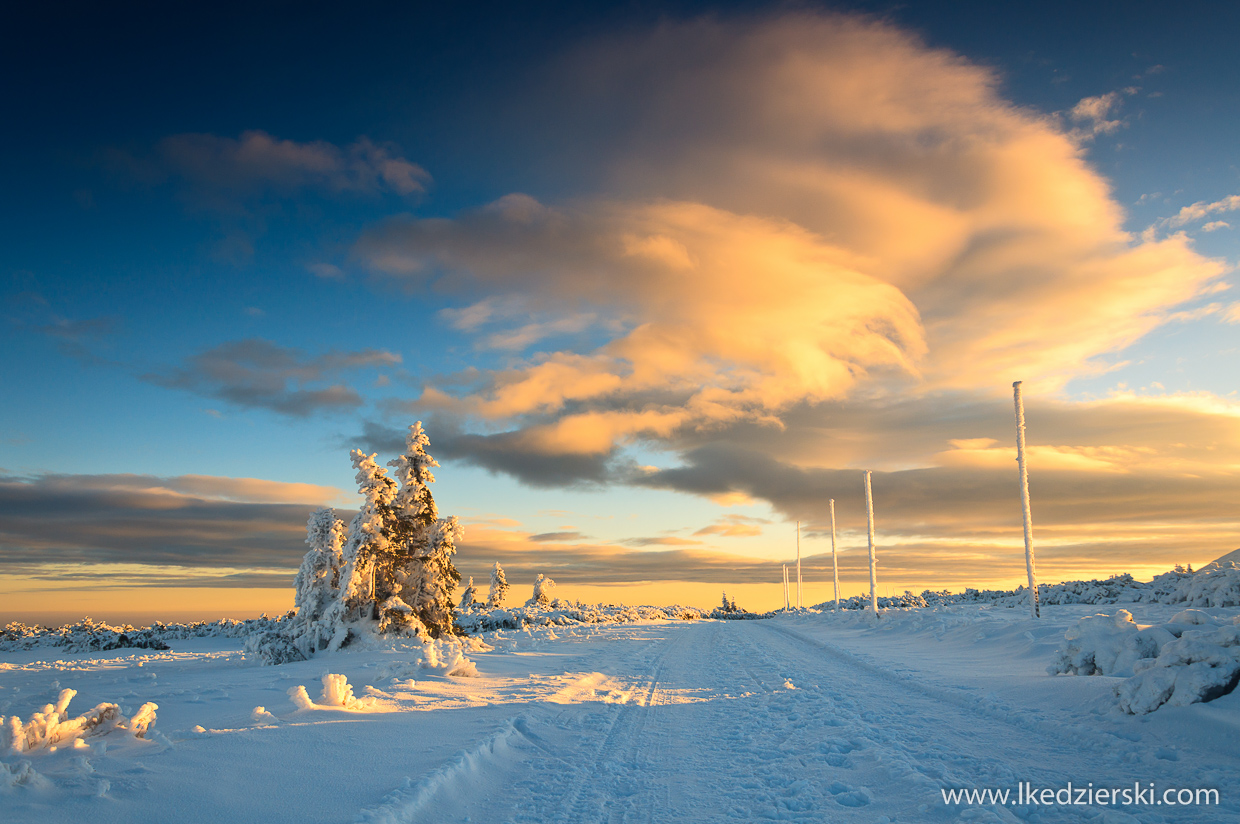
801, 209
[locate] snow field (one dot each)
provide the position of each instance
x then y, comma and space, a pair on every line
804, 717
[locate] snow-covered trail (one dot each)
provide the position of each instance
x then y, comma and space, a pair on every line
755, 721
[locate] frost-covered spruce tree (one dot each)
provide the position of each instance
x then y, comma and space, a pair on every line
318, 582
368, 548
499, 587
422, 545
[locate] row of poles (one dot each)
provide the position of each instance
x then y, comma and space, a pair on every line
1034, 606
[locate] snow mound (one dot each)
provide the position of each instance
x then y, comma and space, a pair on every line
53, 727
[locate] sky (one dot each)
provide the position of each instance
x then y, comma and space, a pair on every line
661, 280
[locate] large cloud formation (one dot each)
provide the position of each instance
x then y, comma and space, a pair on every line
797, 210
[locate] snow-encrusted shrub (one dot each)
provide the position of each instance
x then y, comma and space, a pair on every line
906, 601
86, 635
1201, 665
21, 774
1107, 645
447, 656
1193, 657
273, 647
337, 693
53, 727
1218, 587
564, 613
543, 589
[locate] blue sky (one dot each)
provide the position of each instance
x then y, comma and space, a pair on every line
239, 241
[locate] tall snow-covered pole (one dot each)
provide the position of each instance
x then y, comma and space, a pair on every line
1024, 496
835, 567
869, 520
799, 604
786, 604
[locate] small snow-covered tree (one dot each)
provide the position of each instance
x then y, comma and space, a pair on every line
469, 597
318, 581
543, 587
499, 587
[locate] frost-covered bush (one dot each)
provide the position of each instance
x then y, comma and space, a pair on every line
1107, 645
1193, 657
543, 589
1199, 666
273, 647
54, 727
86, 635
564, 613
906, 601
1219, 587
337, 693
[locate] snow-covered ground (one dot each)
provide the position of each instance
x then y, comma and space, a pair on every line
804, 717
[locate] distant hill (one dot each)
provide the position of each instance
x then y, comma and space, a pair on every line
1230, 558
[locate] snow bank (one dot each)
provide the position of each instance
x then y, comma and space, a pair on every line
1193, 658
53, 727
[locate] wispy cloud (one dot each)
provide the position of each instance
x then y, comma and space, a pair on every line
257, 161
1095, 116
255, 373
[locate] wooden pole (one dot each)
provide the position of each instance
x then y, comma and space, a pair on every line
869, 519
835, 567
799, 604
1024, 497
786, 604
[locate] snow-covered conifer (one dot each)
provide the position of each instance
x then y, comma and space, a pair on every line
368, 546
423, 575
469, 597
318, 581
499, 587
